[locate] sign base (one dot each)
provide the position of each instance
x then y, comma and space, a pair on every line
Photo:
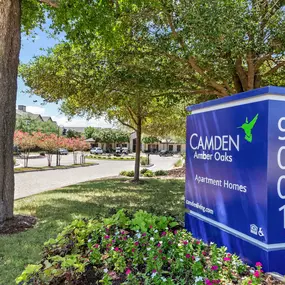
271, 258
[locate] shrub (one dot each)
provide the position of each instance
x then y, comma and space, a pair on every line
148, 173
134, 249
160, 173
144, 160
178, 163
144, 170
127, 173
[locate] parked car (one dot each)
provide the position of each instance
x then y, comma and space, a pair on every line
63, 151
125, 150
96, 150
165, 152
118, 150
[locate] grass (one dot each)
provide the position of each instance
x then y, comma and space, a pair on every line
43, 168
178, 163
56, 209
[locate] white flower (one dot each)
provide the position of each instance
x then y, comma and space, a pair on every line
148, 249
181, 259
153, 274
144, 258
198, 279
89, 240
251, 271
163, 279
166, 228
156, 231
152, 239
105, 270
160, 242
197, 259
179, 244
138, 235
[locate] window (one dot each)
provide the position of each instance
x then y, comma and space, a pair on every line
178, 148
170, 147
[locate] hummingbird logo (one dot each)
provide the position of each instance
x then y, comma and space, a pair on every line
247, 127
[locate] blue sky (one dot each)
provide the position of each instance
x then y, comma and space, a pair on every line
30, 48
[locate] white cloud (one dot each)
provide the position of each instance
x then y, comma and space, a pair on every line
36, 110
81, 122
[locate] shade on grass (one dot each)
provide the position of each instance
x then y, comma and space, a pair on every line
56, 209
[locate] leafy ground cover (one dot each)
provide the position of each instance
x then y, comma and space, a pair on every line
56, 209
145, 173
44, 168
135, 249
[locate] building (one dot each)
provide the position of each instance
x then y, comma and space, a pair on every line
163, 144
22, 112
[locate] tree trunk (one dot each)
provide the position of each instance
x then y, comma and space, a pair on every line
10, 38
138, 150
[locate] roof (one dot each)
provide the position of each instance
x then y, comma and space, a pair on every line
28, 114
90, 140
47, 118
76, 129
240, 96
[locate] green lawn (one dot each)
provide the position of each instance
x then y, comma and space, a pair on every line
55, 209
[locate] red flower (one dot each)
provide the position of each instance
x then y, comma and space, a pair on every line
136, 243
185, 242
163, 234
256, 274
150, 226
187, 255
128, 271
106, 237
133, 250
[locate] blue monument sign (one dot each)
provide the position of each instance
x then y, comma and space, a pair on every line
235, 175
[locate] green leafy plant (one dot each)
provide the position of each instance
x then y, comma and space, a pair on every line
144, 170
131, 248
178, 163
127, 173
145, 160
160, 173
148, 173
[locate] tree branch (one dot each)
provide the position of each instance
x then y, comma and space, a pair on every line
250, 73
52, 3
132, 115
192, 60
127, 125
241, 73
274, 69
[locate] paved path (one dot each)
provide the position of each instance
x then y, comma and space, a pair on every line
36, 182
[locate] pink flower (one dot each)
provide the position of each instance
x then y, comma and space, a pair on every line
136, 243
208, 282
258, 264
106, 237
133, 250
128, 271
160, 251
163, 234
256, 273
198, 242
227, 259
144, 234
150, 226
187, 255
96, 245
116, 249
154, 271
249, 282
175, 232
185, 242
159, 245
214, 267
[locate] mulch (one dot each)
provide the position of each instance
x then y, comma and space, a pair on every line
17, 224
177, 172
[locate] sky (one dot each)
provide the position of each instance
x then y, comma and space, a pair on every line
30, 48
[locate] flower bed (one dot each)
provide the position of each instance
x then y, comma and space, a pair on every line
135, 249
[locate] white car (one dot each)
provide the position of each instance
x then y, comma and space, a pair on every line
96, 150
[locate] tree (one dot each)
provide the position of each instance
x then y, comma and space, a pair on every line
25, 141
30, 125
72, 134
93, 82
